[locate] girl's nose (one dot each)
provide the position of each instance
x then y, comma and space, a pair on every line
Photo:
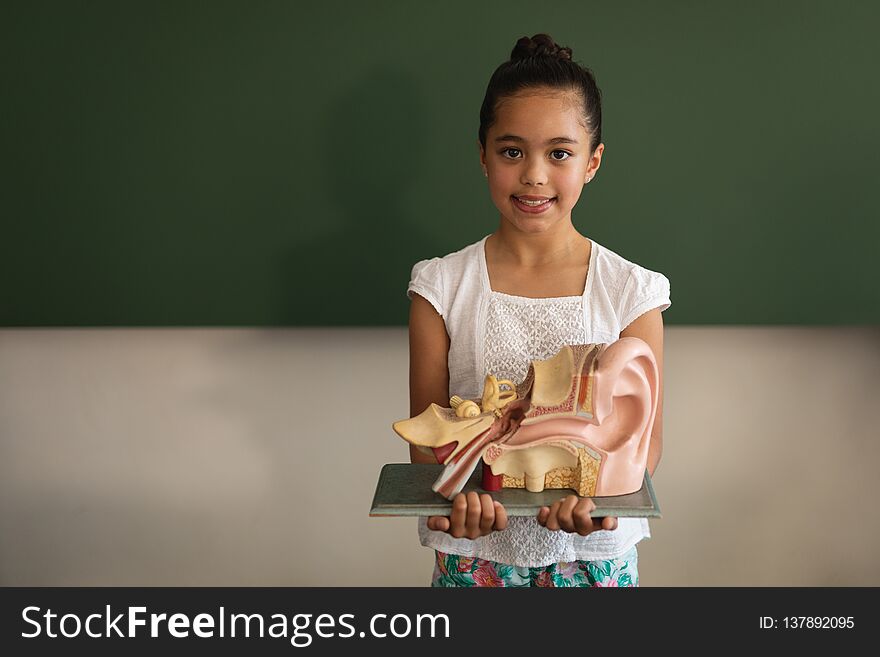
533, 172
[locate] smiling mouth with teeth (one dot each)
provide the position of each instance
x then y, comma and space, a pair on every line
533, 203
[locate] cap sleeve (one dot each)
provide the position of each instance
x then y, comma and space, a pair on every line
426, 280
644, 291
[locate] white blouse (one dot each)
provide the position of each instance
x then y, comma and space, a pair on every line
495, 333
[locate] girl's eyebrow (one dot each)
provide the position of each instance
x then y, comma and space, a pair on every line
555, 140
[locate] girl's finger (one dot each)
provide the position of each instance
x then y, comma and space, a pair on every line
583, 523
543, 514
438, 523
487, 514
500, 516
564, 516
458, 516
609, 523
552, 521
474, 512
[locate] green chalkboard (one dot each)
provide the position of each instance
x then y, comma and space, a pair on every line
175, 163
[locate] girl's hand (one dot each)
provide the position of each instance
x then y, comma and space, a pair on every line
472, 516
572, 514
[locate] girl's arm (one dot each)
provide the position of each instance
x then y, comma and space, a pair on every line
428, 365
472, 515
649, 327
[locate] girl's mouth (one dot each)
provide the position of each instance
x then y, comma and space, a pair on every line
533, 206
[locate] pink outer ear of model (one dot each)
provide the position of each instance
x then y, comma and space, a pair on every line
625, 394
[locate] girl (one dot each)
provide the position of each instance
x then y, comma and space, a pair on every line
518, 295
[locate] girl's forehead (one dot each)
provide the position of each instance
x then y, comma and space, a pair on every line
539, 115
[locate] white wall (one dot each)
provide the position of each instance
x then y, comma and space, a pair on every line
249, 457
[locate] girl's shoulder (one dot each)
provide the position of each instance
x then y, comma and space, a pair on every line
442, 278
631, 288
451, 266
464, 255
615, 270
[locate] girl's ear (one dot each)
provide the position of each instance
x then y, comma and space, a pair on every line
595, 162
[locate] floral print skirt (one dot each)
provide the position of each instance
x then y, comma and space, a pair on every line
452, 570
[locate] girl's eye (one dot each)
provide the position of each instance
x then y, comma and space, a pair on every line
512, 153
560, 156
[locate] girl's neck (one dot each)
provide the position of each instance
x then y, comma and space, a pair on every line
536, 249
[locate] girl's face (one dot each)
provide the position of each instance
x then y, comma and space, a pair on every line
537, 158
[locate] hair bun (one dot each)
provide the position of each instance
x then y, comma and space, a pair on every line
540, 45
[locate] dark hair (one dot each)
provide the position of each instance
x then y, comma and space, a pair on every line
541, 62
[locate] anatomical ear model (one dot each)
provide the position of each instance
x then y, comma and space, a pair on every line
581, 419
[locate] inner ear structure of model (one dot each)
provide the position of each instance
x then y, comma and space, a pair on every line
581, 420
